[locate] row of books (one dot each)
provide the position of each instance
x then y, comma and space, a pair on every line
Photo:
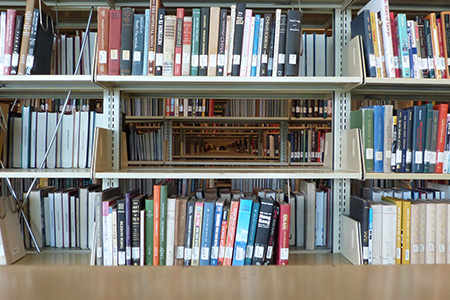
401, 226
307, 145
414, 139
30, 132
168, 230
144, 145
397, 47
211, 42
304, 108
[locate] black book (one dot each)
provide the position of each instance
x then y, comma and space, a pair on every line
263, 231
32, 46
423, 47
221, 47
265, 44
293, 36
121, 234
43, 47
361, 25
189, 232
160, 42
409, 138
310, 108
204, 39
273, 227
137, 204
429, 43
282, 46
446, 22
359, 211
313, 145
293, 106
16, 46
238, 36
404, 140
316, 108
126, 41
138, 44
271, 43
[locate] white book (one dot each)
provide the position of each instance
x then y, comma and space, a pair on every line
377, 229
41, 138
70, 56
77, 222
351, 245
142, 239
66, 219
26, 124
319, 229
51, 202
91, 218
76, 139
309, 190
246, 43
300, 218
430, 233
389, 234
250, 47
309, 55
388, 131
276, 42
382, 7
422, 210
84, 139
73, 221
33, 139
59, 242
169, 45
67, 141
330, 56
83, 214
415, 234
260, 38
52, 119
107, 236
36, 210
302, 62
76, 53
114, 237
2, 40
58, 142
231, 40
92, 49
227, 46
92, 116
320, 48
186, 62
47, 221
441, 232
170, 239
86, 58
63, 50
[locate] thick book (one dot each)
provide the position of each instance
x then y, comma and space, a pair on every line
207, 232
418, 138
361, 25
439, 66
399, 205
32, 44
26, 32
293, 36
16, 46
441, 130
242, 230
149, 209
359, 211
233, 218
128, 231
252, 232
115, 26
395, 49
217, 232
282, 46
138, 44
246, 43
180, 229
363, 119
262, 231
137, 204
403, 46
282, 248
159, 52
221, 47
186, 47
126, 41
86, 215
37, 214
238, 37
103, 40
179, 42
203, 43
265, 44
169, 45
195, 47
154, 6
190, 210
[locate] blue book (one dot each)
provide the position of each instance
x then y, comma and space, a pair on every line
216, 235
138, 44
361, 25
378, 138
403, 45
255, 46
242, 227
146, 37
207, 232
412, 48
418, 138
252, 232
320, 213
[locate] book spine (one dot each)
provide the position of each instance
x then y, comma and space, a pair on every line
282, 253
16, 47
445, 19
159, 52
404, 140
282, 46
121, 245
180, 230
246, 43
378, 138
154, 6
427, 143
169, 45
276, 42
242, 229
204, 39
429, 42
271, 242
445, 168
135, 231
254, 56
216, 235
221, 51
238, 38
107, 231
252, 233
223, 236
409, 138
32, 44
213, 40
138, 44
197, 233
11, 15
27, 23
126, 41
186, 60
395, 48
262, 232
443, 110
115, 26
231, 233
403, 45
292, 41
398, 154
423, 60
419, 121
231, 33
145, 52
128, 230
156, 223
179, 41
195, 41
170, 244
163, 226
190, 210
442, 55
207, 232
266, 44
388, 140
260, 44
434, 139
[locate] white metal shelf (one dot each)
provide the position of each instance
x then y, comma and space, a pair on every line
407, 176
45, 173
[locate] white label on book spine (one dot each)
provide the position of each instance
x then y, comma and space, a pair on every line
7, 62
369, 153
407, 254
393, 161
114, 54
213, 60
427, 156
379, 155
240, 253
187, 253
151, 55
415, 248
269, 252
373, 61
196, 253
102, 57
264, 58
448, 61
203, 60
431, 247
440, 157
137, 56
441, 62
221, 59
194, 62
432, 157
121, 258
259, 252
180, 252
229, 252
99, 252
424, 63
159, 59
431, 63
441, 248
284, 253
408, 157
249, 251
186, 56
388, 154
222, 252
205, 253
135, 252
419, 157
254, 60
128, 252
292, 59
178, 58
399, 253
422, 248
281, 58
30, 60
15, 59
214, 252
126, 54
236, 59
396, 62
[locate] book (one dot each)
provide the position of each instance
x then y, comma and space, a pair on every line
186, 46
137, 204
17, 44
170, 240
179, 41
231, 234
138, 44
252, 232
159, 52
418, 141
197, 232
223, 234
115, 26
169, 45
10, 23
246, 43
361, 25
363, 119
359, 211
282, 47
242, 230
441, 130
149, 209
207, 232
273, 226
282, 248
262, 231
238, 38
204, 41
213, 40
190, 211
152, 40
293, 36
195, 47
180, 229
162, 222
222, 53
103, 40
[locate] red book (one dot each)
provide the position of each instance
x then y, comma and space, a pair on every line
10, 27
234, 208
156, 209
179, 42
223, 236
102, 39
115, 28
395, 44
282, 245
211, 108
442, 122
167, 107
319, 140
441, 48
186, 57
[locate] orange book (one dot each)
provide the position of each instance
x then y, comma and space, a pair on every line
445, 19
234, 208
156, 209
115, 28
435, 42
443, 61
442, 124
211, 108
179, 42
102, 40
223, 236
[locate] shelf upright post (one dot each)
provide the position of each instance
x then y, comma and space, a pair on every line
284, 130
341, 115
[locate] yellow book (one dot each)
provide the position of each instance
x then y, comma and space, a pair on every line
399, 204
373, 24
406, 232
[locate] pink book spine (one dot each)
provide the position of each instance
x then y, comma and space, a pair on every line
10, 27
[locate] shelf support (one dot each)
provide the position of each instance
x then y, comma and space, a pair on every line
168, 133
284, 131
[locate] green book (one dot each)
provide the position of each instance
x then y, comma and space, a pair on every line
195, 41
149, 232
363, 119
163, 225
429, 118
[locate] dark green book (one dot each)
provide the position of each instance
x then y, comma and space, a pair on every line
163, 225
149, 209
433, 149
126, 41
363, 119
195, 41
204, 40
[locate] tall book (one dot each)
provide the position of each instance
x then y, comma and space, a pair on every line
361, 25
149, 209
359, 211
276, 42
128, 225
256, 45
403, 46
163, 223
246, 43
266, 44
180, 229
293, 35
207, 232
159, 52
138, 44
190, 212
221, 55
195, 41
32, 44
137, 204
273, 227
282, 46
169, 45
126, 41
213, 40
252, 232
197, 232
233, 218
262, 231
441, 130
103, 39
170, 240
11, 15
439, 67
204, 39
25, 42
186, 57
282, 248
418, 140
238, 37
388, 137
179, 41
242, 229
230, 40
154, 7
115, 26
16, 46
